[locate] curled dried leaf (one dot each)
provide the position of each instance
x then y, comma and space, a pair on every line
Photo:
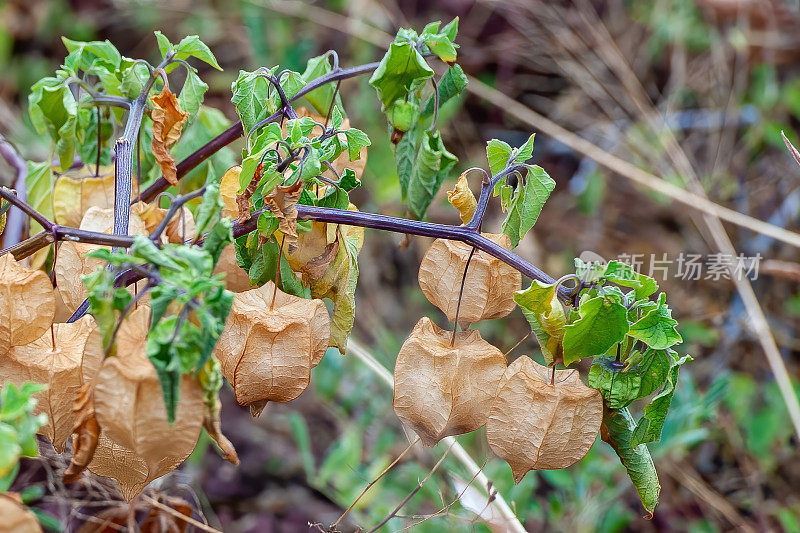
75, 191
442, 389
16, 517
228, 189
236, 278
168, 120
282, 202
72, 262
534, 424
267, 351
212, 425
179, 229
77, 353
316, 250
461, 198
27, 303
130, 409
488, 288
85, 433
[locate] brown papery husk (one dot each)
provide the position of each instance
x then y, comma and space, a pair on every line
137, 443
236, 278
27, 303
15, 517
72, 262
77, 190
78, 351
85, 434
488, 288
267, 354
534, 425
442, 390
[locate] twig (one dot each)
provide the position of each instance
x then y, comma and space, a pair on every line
460, 453
15, 222
413, 492
179, 515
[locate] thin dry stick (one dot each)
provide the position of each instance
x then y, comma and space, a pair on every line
413, 492
371, 483
180, 516
515, 526
460, 295
452, 503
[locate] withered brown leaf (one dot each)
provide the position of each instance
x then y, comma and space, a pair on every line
16, 518
488, 288
212, 424
77, 353
534, 424
27, 303
130, 409
442, 390
168, 120
315, 251
461, 198
282, 202
267, 352
85, 433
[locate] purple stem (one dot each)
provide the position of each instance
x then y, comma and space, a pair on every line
15, 222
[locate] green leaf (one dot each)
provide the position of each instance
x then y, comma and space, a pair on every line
91, 57
53, 110
319, 98
527, 203
656, 328
602, 324
498, 154
39, 182
251, 98
192, 46
356, 140
10, 450
618, 386
624, 275
525, 151
654, 371
164, 45
450, 85
430, 165
349, 180
540, 305
451, 29
442, 46
616, 430
401, 72
191, 95
649, 427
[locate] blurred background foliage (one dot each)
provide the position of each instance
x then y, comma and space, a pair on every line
723, 77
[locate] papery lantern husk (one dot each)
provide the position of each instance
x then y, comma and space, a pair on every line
27, 303
534, 425
77, 190
236, 278
442, 390
77, 355
71, 262
137, 443
267, 354
488, 288
15, 517
180, 228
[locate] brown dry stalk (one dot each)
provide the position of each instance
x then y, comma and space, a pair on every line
179, 515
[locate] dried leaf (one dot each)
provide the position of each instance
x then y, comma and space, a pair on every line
442, 389
130, 410
316, 250
267, 353
228, 189
213, 426
16, 517
534, 425
282, 202
179, 229
168, 120
236, 278
488, 288
75, 191
27, 303
72, 263
77, 353
85, 433
158, 520
461, 198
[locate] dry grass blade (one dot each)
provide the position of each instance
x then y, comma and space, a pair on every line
189, 520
